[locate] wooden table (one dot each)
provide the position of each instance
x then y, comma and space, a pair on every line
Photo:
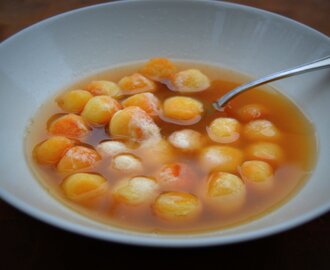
26, 243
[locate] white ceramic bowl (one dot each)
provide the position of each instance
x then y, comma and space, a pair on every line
41, 59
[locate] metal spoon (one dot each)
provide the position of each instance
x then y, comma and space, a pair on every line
315, 65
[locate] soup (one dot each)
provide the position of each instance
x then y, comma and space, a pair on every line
141, 147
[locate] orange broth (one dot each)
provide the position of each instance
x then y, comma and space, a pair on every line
298, 143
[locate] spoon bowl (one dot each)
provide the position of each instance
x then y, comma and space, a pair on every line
322, 63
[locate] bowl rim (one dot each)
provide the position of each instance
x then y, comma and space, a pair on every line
198, 240
137, 239
119, 2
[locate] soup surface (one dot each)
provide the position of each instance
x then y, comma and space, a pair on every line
141, 147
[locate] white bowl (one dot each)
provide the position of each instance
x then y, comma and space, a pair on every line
44, 58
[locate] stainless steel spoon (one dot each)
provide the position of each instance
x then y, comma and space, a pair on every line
315, 65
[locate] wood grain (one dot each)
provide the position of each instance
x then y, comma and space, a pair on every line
26, 243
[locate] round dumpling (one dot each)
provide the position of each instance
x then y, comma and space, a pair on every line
135, 191
177, 206
187, 140
258, 130
133, 123
146, 101
223, 158
225, 192
189, 81
259, 174
182, 110
82, 186
159, 69
224, 130
136, 83
76, 158
111, 148
252, 112
52, 150
127, 164
100, 109
155, 153
266, 151
69, 125
103, 88
74, 101
177, 176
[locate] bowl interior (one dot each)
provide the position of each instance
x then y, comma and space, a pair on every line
44, 58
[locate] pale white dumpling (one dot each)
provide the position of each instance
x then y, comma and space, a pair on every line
186, 140
111, 148
189, 81
136, 190
224, 158
127, 164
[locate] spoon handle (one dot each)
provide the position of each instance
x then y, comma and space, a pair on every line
315, 65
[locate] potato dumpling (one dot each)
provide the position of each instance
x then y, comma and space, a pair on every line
186, 140
224, 130
225, 191
261, 130
76, 158
100, 109
52, 150
136, 83
156, 152
69, 125
177, 206
251, 112
158, 69
103, 88
111, 148
80, 186
146, 101
176, 176
136, 190
127, 164
133, 123
74, 101
223, 158
266, 151
258, 173
186, 110
189, 81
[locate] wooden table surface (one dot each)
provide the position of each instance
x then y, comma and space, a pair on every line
26, 243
